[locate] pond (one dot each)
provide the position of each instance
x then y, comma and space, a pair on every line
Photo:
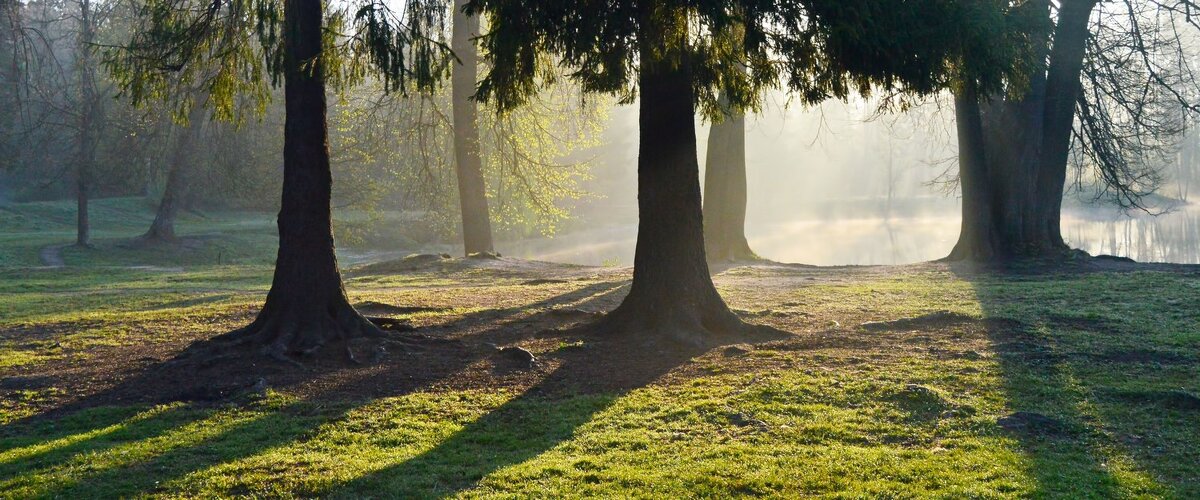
870, 239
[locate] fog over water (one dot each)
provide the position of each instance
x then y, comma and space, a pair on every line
838, 185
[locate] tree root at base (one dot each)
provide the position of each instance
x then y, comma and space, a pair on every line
298, 338
687, 329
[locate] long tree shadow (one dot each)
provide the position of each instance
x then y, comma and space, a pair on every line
145, 463
45, 443
219, 416
524, 427
586, 381
99, 440
1058, 412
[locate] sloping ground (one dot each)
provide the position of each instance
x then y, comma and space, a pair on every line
924, 380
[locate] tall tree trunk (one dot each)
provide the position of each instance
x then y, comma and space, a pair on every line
672, 295
85, 138
977, 238
10, 81
163, 227
725, 190
1062, 91
306, 308
1024, 146
472, 194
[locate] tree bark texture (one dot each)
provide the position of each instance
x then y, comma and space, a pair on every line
725, 191
306, 308
86, 135
472, 193
672, 296
1024, 145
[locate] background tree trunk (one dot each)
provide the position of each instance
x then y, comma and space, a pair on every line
163, 227
725, 191
306, 308
472, 194
672, 295
10, 81
86, 141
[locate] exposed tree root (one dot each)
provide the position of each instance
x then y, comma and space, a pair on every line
968, 251
681, 326
742, 257
297, 335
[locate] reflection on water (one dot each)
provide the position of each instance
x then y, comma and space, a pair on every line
1173, 237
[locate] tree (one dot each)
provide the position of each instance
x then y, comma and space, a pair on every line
1095, 86
91, 111
725, 191
306, 308
725, 181
828, 49
472, 195
10, 77
162, 229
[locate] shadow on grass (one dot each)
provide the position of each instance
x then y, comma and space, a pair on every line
94, 448
1056, 383
46, 443
522, 428
146, 455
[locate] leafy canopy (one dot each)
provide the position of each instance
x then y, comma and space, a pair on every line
816, 48
227, 49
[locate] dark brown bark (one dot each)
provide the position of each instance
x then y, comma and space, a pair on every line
672, 296
1062, 91
725, 191
1024, 144
306, 308
978, 238
163, 227
472, 194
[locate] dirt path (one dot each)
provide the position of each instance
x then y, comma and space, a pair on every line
51, 256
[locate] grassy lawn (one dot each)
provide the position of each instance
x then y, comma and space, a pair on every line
1073, 385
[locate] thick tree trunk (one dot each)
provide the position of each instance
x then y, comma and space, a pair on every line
306, 308
977, 238
1062, 91
472, 194
999, 143
725, 191
163, 227
672, 296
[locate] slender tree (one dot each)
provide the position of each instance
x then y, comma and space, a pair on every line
10, 78
162, 229
725, 179
90, 110
468, 161
828, 49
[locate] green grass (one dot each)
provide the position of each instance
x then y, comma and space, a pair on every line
860, 414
